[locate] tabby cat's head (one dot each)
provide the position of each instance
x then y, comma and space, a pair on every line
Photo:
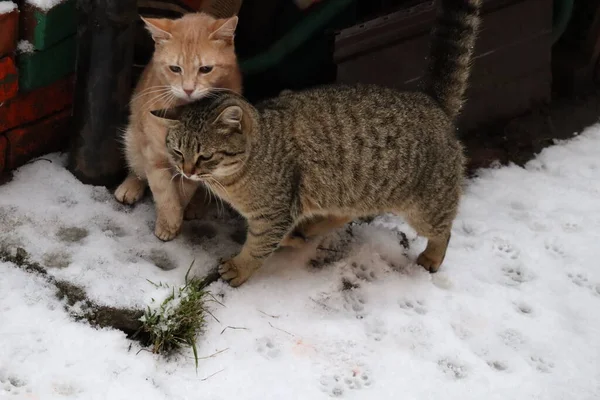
207, 139
193, 53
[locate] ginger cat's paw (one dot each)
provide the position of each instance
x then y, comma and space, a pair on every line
130, 191
166, 231
234, 274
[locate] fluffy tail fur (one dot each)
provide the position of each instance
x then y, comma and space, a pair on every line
451, 51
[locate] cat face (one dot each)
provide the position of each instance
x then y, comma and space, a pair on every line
194, 53
214, 147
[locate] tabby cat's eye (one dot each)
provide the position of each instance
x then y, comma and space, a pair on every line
178, 153
205, 157
205, 69
175, 68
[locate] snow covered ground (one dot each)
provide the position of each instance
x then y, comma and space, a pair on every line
514, 312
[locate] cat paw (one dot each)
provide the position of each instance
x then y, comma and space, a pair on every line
430, 264
195, 211
295, 240
233, 274
130, 191
166, 231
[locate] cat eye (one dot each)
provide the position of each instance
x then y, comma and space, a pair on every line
175, 68
205, 158
178, 153
205, 69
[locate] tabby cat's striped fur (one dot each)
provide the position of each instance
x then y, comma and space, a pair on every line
312, 160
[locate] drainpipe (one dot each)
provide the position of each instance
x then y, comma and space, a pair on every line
105, 43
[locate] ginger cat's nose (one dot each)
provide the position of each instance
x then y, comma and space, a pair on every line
188, 91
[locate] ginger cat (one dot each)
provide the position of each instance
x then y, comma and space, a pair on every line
193, 55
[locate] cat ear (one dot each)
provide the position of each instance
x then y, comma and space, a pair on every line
168, 116
159, 28
231, 116
224, 29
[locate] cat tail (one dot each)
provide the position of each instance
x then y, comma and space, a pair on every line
451, 53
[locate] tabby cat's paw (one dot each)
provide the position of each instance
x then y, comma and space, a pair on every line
430, 264
195, 211
166, 231
233, 274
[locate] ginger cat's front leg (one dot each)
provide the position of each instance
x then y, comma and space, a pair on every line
131, 190
169, 210
264, 236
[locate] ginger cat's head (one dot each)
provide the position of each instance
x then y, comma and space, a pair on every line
195, 53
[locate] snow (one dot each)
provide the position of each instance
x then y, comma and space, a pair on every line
25, 46
512, 314
7, 7
45, 5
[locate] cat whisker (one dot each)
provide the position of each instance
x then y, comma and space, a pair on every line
147, 92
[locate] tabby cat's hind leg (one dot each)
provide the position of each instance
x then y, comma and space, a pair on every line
435, 226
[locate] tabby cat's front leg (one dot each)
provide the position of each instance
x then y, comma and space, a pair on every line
262, 240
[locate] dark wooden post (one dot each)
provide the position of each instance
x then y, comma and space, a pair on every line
105, 43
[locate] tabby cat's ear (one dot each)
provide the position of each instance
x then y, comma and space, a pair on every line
168, 116
224, 29
231, 116
159, 28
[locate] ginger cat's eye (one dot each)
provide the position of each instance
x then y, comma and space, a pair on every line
175, 68
205, 69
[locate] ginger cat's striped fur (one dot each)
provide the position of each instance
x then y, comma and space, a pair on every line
193, 55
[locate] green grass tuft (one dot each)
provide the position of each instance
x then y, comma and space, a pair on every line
179, 319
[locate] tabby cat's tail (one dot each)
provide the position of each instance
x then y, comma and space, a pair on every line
451, 51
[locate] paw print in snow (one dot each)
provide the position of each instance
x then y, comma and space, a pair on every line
497, 366
376, 329
337, 384
452, 369
541, 364
555, 248
267, 348
579, 279
516, 275
505, 249
363, 272
355, 302
11, 384
413, 307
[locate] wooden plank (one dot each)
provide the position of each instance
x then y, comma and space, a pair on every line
42, 68
42, 137
32, 106
9, 79
9, 26
46, 28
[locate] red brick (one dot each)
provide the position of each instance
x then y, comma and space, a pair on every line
3, 147
45, 136
9, 79
9, 26
31, 106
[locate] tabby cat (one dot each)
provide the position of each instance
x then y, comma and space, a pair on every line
311, 161
193, 54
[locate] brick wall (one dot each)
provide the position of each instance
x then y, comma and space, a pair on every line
36, 80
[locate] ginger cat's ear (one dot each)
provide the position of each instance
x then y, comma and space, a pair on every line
224, 29
159, 28
168, 116
231, 116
